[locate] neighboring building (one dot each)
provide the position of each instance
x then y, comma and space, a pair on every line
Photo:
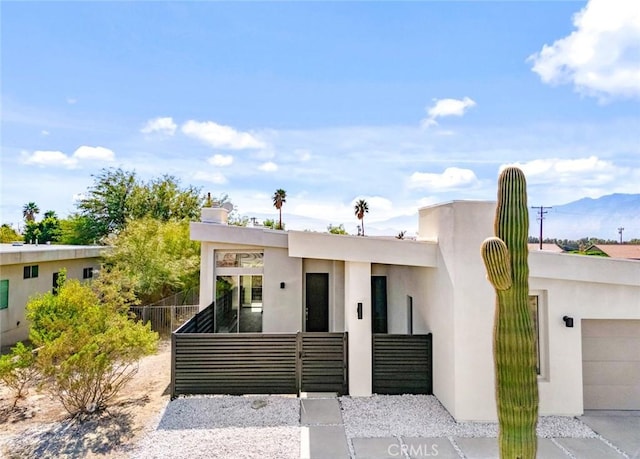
546, 246
28, 269
629, 251
275, 281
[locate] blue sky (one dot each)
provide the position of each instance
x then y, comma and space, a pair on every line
403, 104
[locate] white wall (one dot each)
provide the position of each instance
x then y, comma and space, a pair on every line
358, 290
461, 302
590, 288
282, 308
14, 326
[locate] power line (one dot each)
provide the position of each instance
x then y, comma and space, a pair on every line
541, 213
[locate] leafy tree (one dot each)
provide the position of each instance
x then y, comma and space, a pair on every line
279, 198
32, 232
29, 211
106, 203
163, 199
48, 230
78, 230
158, 258
336, 229
117, 197
88, 349
8, 234
360, 209
17, 370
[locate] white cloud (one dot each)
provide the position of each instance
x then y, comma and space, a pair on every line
44, 132
268, 167
162, 125
94, 153
590, 171
600, 57
71, 101
303, 155
219, 136
58, 158
447, 107
452, 178
220, 160
48, 158
213, 177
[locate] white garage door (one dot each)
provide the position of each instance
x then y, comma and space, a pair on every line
611, 364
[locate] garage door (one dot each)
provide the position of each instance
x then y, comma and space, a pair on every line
611, 364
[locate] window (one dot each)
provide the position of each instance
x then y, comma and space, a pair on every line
54, 290
239, 260
238, 304
535, 317
87, 273
538, 306
4, 293
30, 272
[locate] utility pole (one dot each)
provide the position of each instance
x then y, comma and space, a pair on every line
541, 212
620, 230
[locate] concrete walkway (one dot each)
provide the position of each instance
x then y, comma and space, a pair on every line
323, 437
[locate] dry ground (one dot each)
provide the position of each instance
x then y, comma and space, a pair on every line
40, 427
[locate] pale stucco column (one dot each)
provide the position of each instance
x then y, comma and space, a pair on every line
357, 289
207, 274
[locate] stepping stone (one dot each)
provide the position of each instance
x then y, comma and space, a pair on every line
423, 447
323, 442
589, 448
478, 448
320, 411
377, 448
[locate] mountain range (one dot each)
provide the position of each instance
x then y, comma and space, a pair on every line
587, 217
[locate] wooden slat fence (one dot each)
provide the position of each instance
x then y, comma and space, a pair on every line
255, 363
402, 364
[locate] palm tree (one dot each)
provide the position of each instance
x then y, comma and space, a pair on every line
279, 198
361, 208
29, 211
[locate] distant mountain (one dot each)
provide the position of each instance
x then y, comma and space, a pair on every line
586, 217
589, 217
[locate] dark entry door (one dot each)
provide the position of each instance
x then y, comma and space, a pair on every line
317, 302
379, 304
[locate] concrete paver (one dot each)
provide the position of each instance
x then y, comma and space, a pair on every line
423, 448
377, 448
589, 448
478, 448
324, 442
620, 428
323, 411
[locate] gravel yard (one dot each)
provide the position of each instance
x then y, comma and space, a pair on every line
248, 427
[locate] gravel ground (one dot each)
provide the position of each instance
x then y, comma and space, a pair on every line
224, 427
424, 416
256, 427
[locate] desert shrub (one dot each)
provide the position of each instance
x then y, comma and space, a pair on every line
17, 370
88, 348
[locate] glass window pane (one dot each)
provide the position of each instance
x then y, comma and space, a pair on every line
533, 308
4, 294
251, 304
239, 260
227, 297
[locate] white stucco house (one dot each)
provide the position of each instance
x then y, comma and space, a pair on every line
28, 269
275, 281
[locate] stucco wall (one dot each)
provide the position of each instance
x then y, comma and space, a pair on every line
14, 326
460, 309
282, 307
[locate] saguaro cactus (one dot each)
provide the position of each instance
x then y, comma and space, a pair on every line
514, 352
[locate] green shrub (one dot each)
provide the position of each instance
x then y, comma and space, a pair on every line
17, 370
88, 349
